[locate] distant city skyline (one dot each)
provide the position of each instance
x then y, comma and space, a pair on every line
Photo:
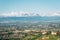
29, 7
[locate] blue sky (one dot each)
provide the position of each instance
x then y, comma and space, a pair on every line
35, 6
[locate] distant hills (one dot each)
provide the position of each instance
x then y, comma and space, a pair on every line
30, 18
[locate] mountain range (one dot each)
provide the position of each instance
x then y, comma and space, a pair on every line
30, 18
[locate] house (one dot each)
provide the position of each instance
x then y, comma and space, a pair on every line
53, 33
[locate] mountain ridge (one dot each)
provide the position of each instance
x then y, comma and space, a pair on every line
31, 18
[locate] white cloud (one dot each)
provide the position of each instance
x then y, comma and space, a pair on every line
28, 14
17, 14
51, 14
54, 14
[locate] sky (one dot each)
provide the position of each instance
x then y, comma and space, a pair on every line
29, 7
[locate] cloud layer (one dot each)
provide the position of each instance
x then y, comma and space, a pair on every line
19, 14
